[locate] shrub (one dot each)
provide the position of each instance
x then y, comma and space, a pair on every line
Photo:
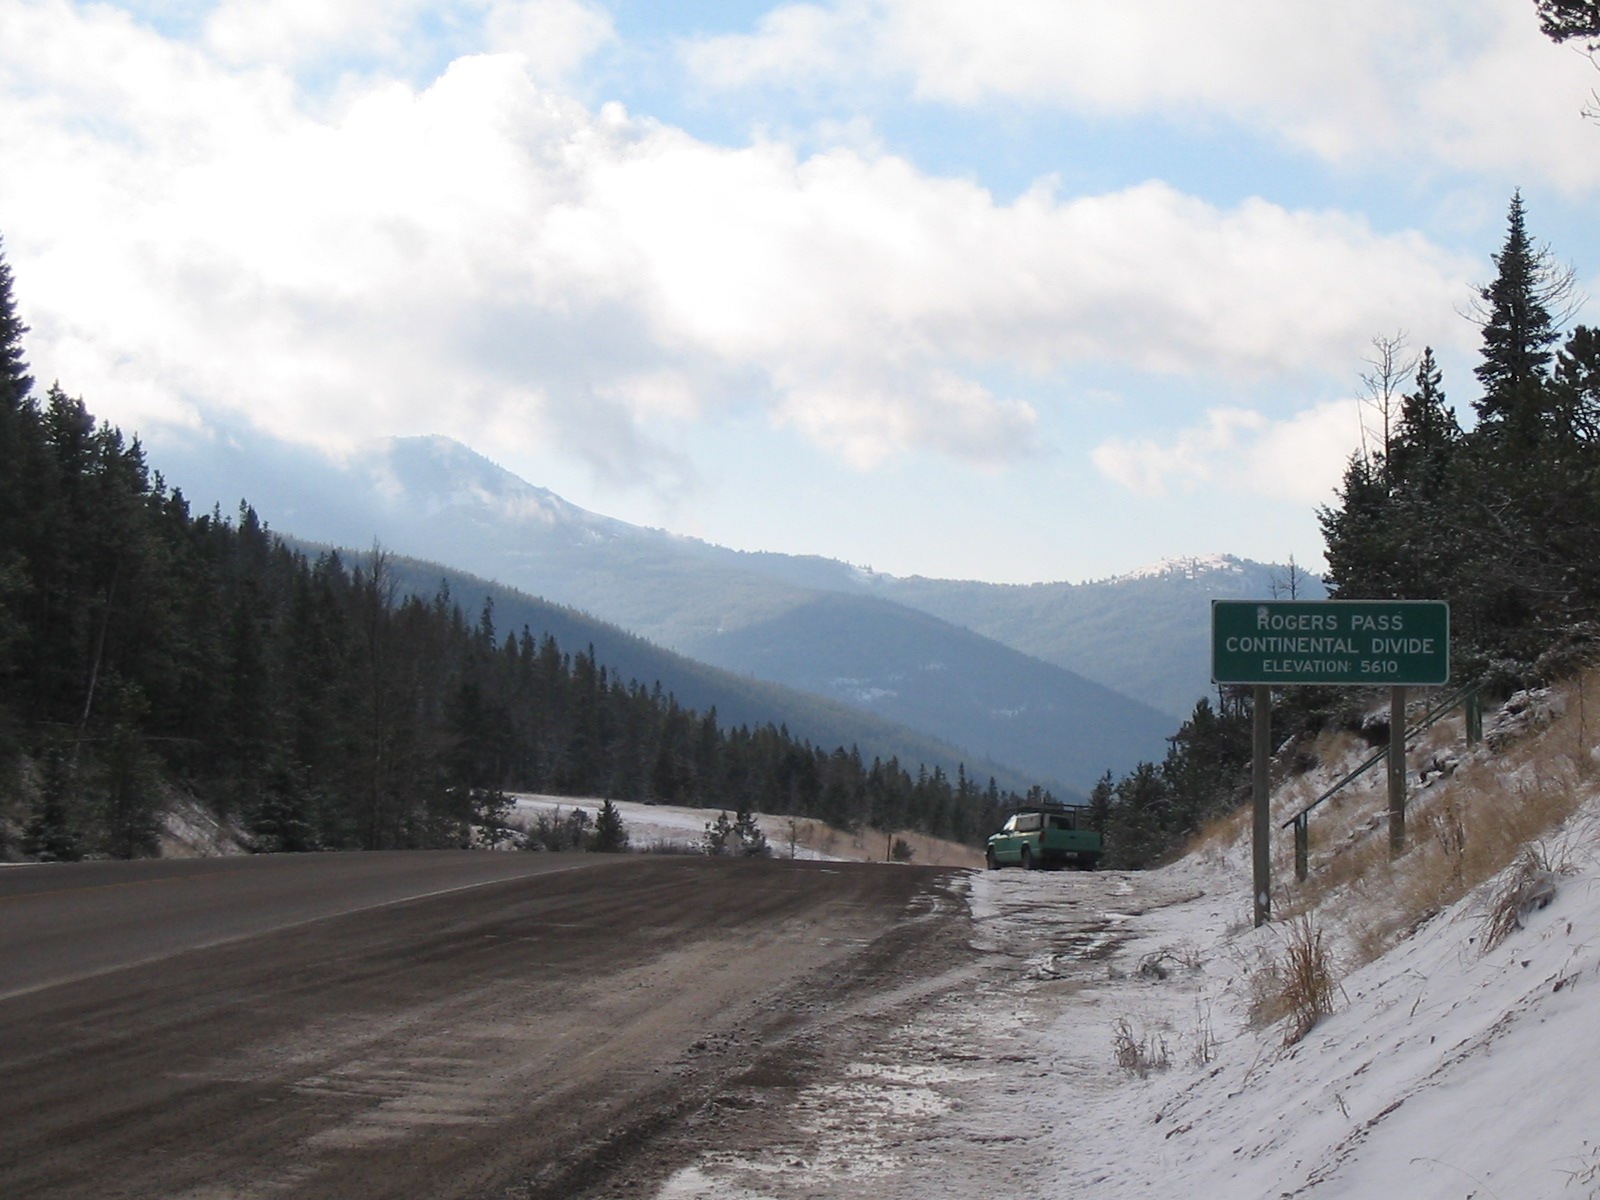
1530, 884
552, 831
1297, 983
1139, 1053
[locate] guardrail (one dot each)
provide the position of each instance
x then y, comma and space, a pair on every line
1466, 695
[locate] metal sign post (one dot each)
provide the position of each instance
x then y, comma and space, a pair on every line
1397, 772
1261, 803
1279, 643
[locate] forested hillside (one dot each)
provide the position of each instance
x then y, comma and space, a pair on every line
145, 649
739, 699
806, 624
1500, 519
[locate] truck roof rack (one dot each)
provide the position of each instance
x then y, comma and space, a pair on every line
1052, 806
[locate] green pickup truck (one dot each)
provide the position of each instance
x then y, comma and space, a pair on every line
1052, 836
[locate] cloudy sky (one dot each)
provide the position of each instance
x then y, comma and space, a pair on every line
1021, 290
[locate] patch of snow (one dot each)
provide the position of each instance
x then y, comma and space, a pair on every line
663, 824
190, 830
860, 690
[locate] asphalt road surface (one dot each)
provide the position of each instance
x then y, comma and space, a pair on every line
429, 1025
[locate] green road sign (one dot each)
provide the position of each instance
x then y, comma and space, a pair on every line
1401, 643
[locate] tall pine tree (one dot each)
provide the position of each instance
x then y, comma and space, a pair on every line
1519, 311
1568, 20
15, 382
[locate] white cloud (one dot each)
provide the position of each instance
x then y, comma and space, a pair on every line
285, 32
792, 43
1471, 84
1298, 460
484, 256
555, 37
864, 424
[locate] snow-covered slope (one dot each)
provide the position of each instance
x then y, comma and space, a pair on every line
1442, 1072
1111, 1044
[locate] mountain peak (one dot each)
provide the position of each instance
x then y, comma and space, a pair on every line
429, 475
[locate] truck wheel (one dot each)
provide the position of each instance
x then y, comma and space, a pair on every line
1027, 859
988, 860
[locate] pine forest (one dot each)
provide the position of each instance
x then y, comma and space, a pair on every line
147, 653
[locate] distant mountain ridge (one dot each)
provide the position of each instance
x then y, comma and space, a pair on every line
736, 699
1146, 633
1046, 679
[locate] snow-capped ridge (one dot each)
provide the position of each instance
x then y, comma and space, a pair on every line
1186, 567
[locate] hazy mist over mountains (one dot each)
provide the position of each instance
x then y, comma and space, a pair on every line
1059, 681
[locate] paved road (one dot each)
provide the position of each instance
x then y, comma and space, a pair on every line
64, 921
424, 1025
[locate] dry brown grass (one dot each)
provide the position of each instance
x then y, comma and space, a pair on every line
1309, 981
1217, 835
1297, 982
1462, 831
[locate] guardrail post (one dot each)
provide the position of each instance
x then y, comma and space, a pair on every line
1302, 846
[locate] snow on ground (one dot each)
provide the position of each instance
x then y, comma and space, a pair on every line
664, 826
190, 830
1443, 1071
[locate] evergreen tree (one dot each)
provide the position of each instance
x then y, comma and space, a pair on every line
610, 834
1568, 20
719, 836
1575, 390
1425, 510
15, 382
55, 831
132, 807
1519, 312
1100, 798
747, 832
1361, 533
1427, 434
1135, 835
1205, 763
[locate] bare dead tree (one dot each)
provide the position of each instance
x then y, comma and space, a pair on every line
1290, 581
1389, 364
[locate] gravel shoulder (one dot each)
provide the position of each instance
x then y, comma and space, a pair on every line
933, 1094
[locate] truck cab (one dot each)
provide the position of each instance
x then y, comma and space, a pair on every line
1055, 835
